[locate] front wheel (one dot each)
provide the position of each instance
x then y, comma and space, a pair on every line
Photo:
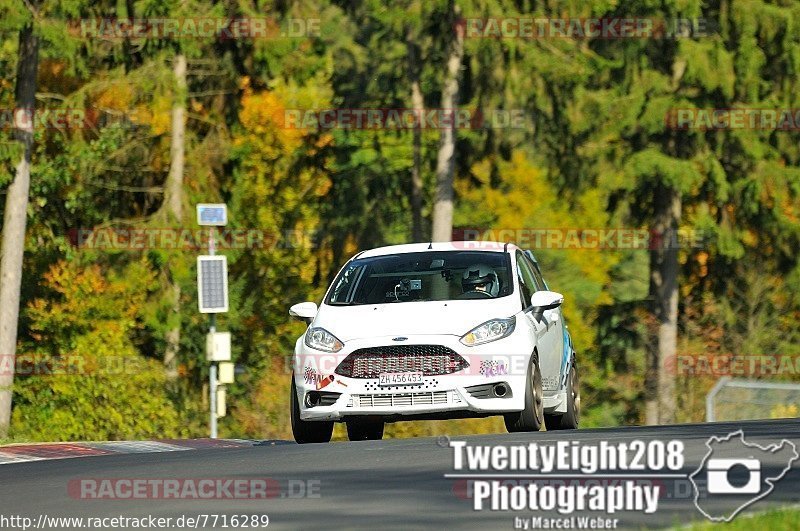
532, 417
569, 419
304, 431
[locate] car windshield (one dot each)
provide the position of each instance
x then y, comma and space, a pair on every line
425, 276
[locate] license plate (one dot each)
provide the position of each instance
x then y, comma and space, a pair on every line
400, 378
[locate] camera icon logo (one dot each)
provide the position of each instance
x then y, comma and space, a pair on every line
735, 474
720, 472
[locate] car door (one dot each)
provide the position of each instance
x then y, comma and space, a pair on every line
545, 338
551, 354
566, 341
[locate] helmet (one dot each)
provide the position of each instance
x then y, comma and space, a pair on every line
480, 274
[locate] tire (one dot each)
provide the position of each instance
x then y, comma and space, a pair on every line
570, 419
360, 430
532, 417
305, 431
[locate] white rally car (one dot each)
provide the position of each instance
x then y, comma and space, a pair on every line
434, 331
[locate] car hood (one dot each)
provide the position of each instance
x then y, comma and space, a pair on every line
411, 318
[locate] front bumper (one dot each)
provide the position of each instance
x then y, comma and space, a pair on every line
443, 396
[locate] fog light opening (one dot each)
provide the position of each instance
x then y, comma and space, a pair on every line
312, 399
500, 390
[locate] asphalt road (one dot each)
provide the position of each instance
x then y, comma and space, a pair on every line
391, 484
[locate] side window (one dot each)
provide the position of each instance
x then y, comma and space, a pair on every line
343, 290
526, 283
537, 275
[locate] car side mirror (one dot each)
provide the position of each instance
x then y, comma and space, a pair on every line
546, 300
304, 310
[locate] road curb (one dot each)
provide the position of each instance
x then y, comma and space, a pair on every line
21, 453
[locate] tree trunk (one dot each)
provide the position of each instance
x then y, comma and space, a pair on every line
133, 55
14, 219
418, 105
660, 378
445, 161
173, 202
173, 189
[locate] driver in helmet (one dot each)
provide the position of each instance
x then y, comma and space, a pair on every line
479, 280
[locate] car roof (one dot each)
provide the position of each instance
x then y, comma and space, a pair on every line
474, 245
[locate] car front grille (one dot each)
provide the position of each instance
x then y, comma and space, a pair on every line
430, 360
427, 398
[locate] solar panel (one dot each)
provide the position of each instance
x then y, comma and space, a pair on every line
212, 283
212, 214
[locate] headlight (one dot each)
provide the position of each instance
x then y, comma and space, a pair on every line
489, 331
321, 339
